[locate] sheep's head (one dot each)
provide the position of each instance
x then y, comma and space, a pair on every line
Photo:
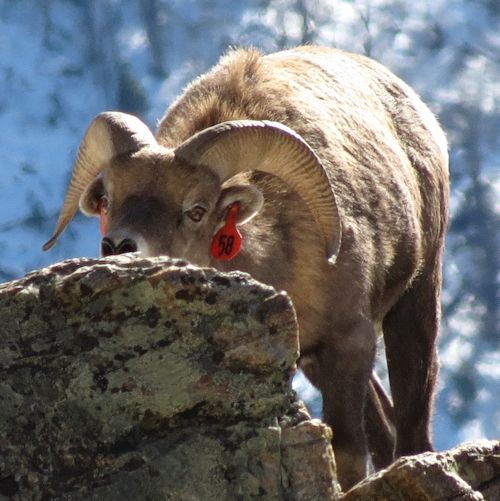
161, 201
158, 204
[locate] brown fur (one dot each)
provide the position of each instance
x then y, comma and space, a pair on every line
388, 166
386, 159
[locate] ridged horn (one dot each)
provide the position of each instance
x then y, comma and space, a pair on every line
110, 134
237, 146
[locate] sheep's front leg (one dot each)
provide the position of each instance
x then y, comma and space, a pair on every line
345, 365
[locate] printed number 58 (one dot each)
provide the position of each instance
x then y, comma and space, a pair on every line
226, 244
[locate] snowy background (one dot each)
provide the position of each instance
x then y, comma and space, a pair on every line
64, 61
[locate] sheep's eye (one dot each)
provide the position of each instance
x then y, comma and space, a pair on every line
196, 213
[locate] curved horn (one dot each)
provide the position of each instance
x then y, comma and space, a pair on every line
110, 134
236, 146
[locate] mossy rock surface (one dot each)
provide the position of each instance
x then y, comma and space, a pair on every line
131, 378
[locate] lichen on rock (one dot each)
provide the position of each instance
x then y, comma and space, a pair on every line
131, 378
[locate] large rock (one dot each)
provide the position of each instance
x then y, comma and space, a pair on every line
131, 378
470, 472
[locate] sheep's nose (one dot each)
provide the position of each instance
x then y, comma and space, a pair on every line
110, 248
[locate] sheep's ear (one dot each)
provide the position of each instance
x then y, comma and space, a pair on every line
91, 197
249, 198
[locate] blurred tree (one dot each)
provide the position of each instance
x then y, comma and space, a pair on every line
130, 97
307, 24
154, 16
471, 116
102, 22
476, 224
48, 26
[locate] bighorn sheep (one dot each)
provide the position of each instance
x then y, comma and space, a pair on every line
336, 175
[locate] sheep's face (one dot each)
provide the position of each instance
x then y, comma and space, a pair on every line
154, 204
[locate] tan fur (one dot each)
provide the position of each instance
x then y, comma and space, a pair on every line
386, 159
358, 117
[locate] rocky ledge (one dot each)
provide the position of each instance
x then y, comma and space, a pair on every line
131, 378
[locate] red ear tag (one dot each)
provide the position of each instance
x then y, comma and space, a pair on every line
103, 219
227, 241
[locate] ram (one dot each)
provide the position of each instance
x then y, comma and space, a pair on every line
320, 173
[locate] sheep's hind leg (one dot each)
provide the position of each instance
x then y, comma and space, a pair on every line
410, 331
